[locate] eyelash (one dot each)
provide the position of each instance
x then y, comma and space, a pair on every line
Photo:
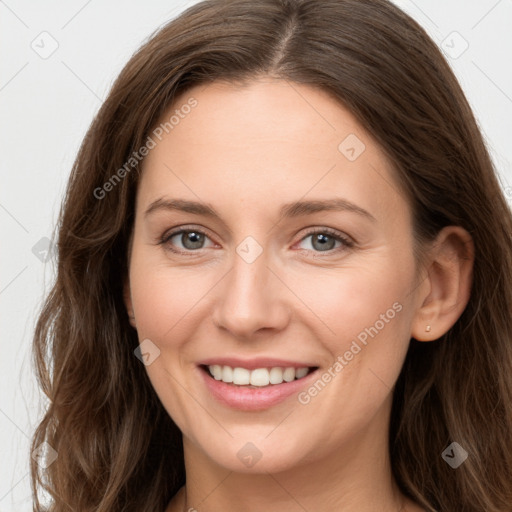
346, 243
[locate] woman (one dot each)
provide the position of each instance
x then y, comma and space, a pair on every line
284, 273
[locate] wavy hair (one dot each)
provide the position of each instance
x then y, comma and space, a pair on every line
118, 449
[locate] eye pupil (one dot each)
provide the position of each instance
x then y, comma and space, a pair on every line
323, 240
194, 238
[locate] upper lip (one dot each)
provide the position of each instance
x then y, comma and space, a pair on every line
257, 362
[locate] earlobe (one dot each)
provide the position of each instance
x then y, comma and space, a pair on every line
128, 303
449, 278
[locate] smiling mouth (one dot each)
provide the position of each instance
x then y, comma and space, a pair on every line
257, 378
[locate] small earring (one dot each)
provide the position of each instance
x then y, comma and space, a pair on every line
427, 328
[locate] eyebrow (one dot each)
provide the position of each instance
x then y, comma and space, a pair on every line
289, 210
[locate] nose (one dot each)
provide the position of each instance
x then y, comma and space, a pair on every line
253, 298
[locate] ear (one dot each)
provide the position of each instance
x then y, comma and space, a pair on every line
447, 286
127, 296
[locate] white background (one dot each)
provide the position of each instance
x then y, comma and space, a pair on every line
46, 105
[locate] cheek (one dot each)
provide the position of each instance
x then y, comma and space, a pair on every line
366, 324
162, 300
159, 294
358, 303
170, 301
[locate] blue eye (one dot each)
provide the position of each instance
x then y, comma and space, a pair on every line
192, 240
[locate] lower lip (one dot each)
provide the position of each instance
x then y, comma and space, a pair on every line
253, 399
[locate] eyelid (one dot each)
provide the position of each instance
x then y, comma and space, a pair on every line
183, 229
347, 242
331, 232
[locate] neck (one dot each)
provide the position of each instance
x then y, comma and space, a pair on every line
356, 477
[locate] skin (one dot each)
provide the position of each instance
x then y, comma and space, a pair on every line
246, 151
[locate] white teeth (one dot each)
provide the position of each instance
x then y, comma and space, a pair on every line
227, 374
216, 371
289, 374
259, 377
276, 375
301, 372
241, 376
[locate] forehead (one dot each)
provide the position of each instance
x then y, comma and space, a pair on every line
269, 140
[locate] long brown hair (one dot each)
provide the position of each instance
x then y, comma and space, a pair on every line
118, 449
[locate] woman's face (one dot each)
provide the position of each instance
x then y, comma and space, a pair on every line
332, 288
